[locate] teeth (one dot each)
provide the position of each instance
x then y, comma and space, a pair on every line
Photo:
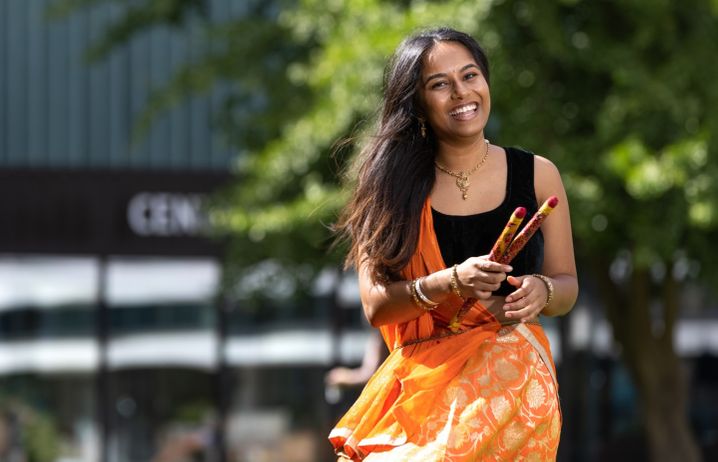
463, 109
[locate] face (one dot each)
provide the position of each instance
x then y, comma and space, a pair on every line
453, 92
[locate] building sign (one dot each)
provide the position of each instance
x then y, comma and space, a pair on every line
167, 214
107, 212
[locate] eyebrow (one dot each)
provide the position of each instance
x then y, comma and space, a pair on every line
443, 74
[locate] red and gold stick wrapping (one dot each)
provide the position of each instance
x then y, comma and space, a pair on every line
504, 240
531, 227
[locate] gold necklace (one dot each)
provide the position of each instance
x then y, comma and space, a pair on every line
462, 178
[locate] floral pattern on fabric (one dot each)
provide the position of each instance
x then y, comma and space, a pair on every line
503, 406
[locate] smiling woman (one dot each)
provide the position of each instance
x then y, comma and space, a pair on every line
431, 197
454, 93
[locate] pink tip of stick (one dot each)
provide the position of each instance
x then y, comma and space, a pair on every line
520, 212
552, 201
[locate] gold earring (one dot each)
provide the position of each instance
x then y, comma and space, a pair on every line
422, 128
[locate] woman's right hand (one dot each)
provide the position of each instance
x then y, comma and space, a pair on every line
478, 277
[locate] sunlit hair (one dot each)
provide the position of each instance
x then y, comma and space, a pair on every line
395, 169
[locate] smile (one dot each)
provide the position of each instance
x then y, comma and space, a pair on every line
464, 110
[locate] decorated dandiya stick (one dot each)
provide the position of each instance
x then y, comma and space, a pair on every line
497, 251
531, 227
504, 240
511, 251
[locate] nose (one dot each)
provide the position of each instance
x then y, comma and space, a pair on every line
460, 90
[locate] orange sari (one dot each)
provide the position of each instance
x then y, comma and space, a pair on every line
486, 393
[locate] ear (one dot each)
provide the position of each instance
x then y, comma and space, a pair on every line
419, 113
418, 109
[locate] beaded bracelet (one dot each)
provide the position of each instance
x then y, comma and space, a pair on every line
420, 293
455, 282
415, 297
549, 286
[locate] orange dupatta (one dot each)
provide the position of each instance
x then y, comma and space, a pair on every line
408, 409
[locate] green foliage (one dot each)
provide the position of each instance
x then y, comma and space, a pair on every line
620, 95
194, 412
39, 436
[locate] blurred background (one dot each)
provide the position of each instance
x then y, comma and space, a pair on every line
169, 170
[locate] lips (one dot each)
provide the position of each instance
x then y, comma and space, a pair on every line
465, 111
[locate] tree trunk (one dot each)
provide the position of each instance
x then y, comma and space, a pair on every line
653, 364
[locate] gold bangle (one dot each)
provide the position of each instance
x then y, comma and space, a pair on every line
455, 282
422, 296
549, 286
415, 296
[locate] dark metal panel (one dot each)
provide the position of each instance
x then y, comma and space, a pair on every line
119, 100
99, 99
55, 81
220, 12
139, 90
3, 81
17, 82
56, 109
159, 64
75, 149
36, 89
199, 112
179, 117
200, 130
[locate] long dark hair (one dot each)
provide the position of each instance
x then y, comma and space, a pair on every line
396, 167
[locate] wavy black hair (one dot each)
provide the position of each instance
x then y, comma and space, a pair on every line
396, 167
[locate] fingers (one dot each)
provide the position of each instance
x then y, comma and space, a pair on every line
478, 277
527, 301
522, 302
526, 314
484, 294
489, 272
486, 265
521, 292
514, 281
337, 376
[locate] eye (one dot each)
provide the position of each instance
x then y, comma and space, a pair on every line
470, 75
437, 85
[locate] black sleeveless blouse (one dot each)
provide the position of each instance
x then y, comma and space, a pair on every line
461, 237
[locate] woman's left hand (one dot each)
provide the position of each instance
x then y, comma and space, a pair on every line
525, 303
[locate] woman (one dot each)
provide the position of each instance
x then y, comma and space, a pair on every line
433, 194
